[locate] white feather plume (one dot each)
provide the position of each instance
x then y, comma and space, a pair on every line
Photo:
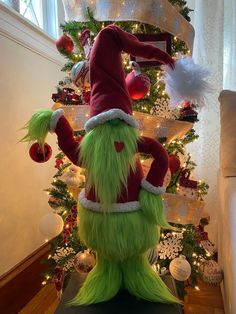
186, 82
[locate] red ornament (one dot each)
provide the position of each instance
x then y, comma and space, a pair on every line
174, 163
39, 154
58, 277
64, 44
59, 162
138, 83
70, 223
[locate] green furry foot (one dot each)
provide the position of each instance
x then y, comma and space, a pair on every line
141, 281
102, 283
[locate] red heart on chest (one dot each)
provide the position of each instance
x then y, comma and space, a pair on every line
119, 146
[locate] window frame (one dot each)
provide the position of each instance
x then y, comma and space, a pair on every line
19, 29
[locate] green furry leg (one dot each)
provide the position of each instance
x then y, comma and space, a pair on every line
101, 284
141, 281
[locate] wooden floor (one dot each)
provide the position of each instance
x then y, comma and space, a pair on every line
207, 300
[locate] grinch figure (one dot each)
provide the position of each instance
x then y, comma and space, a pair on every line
120, 211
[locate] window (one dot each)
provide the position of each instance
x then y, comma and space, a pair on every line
43, 13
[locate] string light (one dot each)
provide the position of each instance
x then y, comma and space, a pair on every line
44, 283
49, 256
197, 288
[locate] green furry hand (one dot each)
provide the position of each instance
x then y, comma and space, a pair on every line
38, 127
152, 206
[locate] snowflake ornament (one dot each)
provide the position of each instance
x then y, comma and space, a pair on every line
170, 246
162, 109
62, 253
69, 264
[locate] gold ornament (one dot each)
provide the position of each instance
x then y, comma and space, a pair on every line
84, 261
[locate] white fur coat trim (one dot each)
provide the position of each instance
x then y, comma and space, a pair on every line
151, 188
54, 119
110, 115
116, 208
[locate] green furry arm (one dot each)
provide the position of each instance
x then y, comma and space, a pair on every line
38, 126
152, 206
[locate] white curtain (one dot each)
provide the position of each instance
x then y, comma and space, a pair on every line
230, 44
208, 21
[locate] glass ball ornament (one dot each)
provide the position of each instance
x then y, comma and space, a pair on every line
51, 225
80, 74
64, 44
211, 272
40, 153
174, 163
138, 84
84, 262
180, 268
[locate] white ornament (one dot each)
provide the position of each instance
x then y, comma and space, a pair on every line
211, 272
162, 109
51, 225
170, 246
180, 268
62, 252
80, 74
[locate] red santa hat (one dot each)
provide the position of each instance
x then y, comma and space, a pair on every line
109, 95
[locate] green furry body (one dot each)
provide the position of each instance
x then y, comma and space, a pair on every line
117, 236
122, 239
107, 170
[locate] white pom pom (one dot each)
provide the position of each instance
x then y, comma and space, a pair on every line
187, 82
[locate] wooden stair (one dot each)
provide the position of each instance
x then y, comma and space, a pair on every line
206, 300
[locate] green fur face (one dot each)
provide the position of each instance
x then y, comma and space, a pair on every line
108, 169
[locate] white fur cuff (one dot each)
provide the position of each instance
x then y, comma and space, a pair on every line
110, 115
116, 208
54, 119
151, 188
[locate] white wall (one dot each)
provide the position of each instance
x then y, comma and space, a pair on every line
27, 81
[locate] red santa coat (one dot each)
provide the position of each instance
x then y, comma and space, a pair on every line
128, 199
